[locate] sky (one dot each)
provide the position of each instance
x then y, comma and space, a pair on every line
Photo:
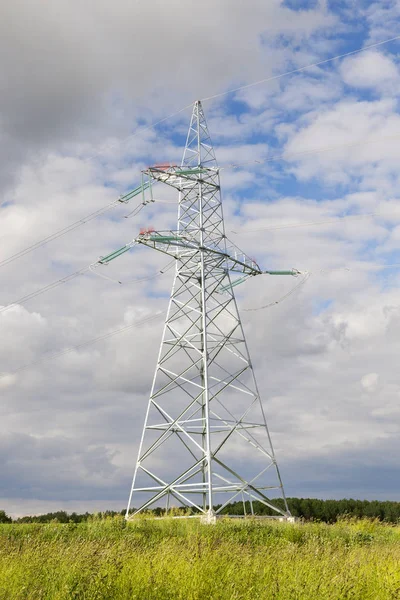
315, 187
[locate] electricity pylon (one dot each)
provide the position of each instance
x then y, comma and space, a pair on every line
205, 440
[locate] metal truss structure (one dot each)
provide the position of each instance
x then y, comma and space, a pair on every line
205, 440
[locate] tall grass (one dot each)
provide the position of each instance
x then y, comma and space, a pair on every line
181, 559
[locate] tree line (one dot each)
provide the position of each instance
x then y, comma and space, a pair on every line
309, 509
328, 511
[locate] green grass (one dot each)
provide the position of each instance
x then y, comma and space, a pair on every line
181, 559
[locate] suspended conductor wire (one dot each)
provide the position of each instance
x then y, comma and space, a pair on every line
307, 275
136, 132
163, 270
140, 206
289, 155
363, 267
309, 224
61, 232
282, 298
68, 278
134, 212
300, 69
44, 289
129, 137
97, 213
46, 356
76, 224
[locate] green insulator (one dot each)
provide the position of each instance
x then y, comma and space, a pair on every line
134, 192
106, 259
189, 171
292, 272
233, 284
164, 238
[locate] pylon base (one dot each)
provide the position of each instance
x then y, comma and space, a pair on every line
208, 519
212, 518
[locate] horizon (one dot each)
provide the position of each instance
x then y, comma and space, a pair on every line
76, 125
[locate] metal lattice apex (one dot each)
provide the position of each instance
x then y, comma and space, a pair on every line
205, 440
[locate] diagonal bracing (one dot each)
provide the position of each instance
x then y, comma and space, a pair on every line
205, 441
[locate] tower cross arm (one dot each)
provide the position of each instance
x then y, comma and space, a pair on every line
233, 259
203, 358
181, 177
176, 243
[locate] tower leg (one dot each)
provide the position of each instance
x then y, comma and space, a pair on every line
205, 443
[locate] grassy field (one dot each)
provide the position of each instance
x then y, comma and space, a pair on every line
180, 559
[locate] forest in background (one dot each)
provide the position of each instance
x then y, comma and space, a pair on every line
309, 509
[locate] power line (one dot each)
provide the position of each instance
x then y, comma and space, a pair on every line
71, 276
163, 270
46, 356
282, 298
364, 267
307, 275
129, 137
299, 70
94, 215
58, 233
309, 224
139, 207
44, 289
101, 211
137, 131
290, 155
68, 229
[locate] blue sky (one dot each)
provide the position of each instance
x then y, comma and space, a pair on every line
71, 111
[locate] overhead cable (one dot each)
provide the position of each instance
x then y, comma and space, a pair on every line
140, 206
68, 278
364, 267
163, 270
337, 219
98, 213
44, 289
300, 69
290, 155
137, 132
58, 234
306, 276
123, 199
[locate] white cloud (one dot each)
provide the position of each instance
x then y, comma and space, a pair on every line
370, 70
73, 423
365, 134
7, 381
382, 19
370, 382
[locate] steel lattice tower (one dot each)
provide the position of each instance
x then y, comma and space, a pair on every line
205, 440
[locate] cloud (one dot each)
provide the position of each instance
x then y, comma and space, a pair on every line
370, 70
104, 52
80, 83
370, 382
365, 134
7, 381
381, 18
52, 466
